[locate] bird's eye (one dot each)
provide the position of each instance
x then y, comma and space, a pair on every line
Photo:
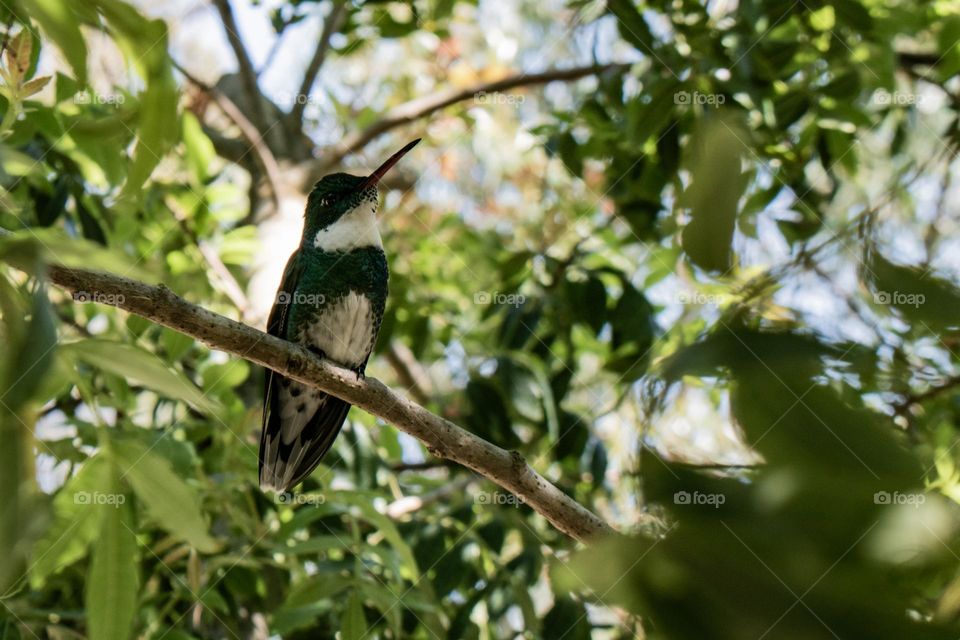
324, 202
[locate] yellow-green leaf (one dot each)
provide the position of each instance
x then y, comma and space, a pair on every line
353, 625
75, 524
713, 195
168, 499
139, 366
16, 164
59, 23
18, 54
112, 582
199, 148
34, 86
57, 247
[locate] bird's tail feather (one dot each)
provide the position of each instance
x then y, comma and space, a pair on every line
284, 464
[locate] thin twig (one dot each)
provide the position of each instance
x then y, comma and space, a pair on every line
410, 373
228, 283
247, 129
426, 465
919, 398
422, 107
408, 504
330, 26
248, 75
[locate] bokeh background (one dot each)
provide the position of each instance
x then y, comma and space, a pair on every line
695, 260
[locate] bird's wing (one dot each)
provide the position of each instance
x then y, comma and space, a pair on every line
300, 422
277, 322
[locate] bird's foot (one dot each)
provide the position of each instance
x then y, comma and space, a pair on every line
359, 373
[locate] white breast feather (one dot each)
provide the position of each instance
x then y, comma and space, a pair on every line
343, 330
355, 229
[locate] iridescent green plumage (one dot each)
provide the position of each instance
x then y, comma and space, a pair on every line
331, 300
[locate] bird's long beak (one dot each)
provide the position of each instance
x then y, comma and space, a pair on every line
374, 177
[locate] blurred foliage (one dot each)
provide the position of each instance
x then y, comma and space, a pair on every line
710, 293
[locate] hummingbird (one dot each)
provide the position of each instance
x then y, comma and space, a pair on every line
331, 300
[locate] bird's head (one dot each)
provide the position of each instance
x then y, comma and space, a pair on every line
341, 208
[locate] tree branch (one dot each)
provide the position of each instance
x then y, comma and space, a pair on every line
409, 372
442, 438
247, 73
408, 504
330, 26
917, 58
422, 107
247, 129
911, 399
228, 284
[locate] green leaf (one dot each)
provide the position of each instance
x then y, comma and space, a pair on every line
488, 413
823, 19
567, 620
56, 247
717, 184
157, 127
316, 588
29, 356
353, 624
383, 524
200, 152
932, 303
385, 600
62, 26
176, 345
168, 499
112, 582
14, 164
220, 378
145, 43
632, 26
134, 364
949, 45
26, 349
76, 521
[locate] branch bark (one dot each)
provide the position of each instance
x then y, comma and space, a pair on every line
443, 438
422, 107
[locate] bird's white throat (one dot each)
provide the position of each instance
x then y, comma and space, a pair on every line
355, 229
